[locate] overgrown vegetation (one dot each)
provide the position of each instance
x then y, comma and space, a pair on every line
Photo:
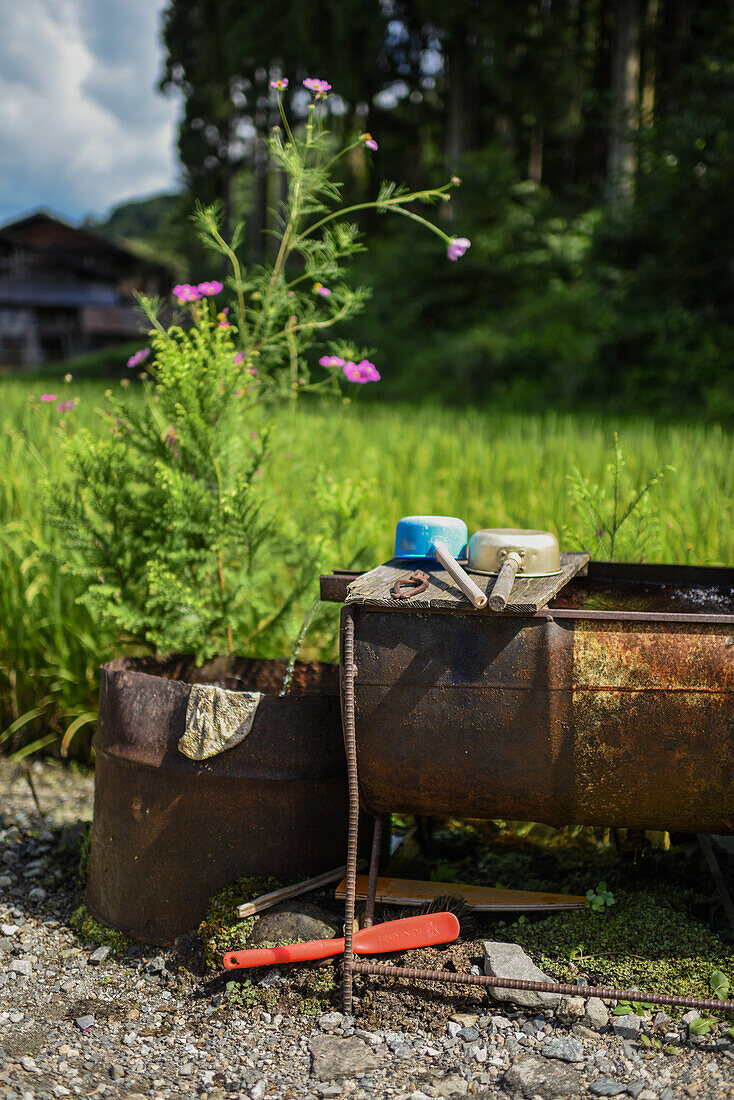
506, 470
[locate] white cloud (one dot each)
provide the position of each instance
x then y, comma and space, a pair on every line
82, 125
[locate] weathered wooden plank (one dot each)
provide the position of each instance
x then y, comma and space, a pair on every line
529, 594
397, 891
333, 586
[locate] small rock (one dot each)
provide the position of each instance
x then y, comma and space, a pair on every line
156, 966
566, 1050
84, 1022
450, 1085
469, 1034
186, 1070
330, 1021
5, 881
584, 1032
464, 1019
476, 1052
532, 1077
334, 1056
37, 894
9, 929
690, 1016
453, 1027
596, 1013
60, 1090
292, 920
570, 1010
99, 955
21, 966
604, 1087
258, 1090
634, 1088
627, 1027
667, 1094
508, 960
270, 978
115, 1072
28, 1063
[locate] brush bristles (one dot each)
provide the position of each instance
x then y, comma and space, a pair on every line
445, 903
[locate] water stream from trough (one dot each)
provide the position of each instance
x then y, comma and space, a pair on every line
288, 675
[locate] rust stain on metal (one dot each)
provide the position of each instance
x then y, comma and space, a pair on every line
652, 709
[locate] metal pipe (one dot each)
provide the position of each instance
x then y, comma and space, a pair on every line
369, 912
605, 993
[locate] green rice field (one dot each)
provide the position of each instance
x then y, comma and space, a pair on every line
491, 468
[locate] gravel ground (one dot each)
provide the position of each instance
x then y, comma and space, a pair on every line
78, 1021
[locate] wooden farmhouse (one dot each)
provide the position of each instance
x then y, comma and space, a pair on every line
66, 290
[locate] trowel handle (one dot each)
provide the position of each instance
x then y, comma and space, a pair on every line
471, 590
505, 580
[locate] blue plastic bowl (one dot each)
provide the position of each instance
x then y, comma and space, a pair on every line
416, 536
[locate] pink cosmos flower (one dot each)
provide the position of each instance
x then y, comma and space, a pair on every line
318, 87
457, 247
239, 357
186, 293
222, 318
369, 142
321, 290
251, 370
332, 361
208, 290
66, 406
361, 372
279, 85
138, 358
48, 397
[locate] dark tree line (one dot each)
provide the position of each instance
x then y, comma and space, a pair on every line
625, 107
565, 86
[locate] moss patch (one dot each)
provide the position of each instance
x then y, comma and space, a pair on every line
222, 929
645, 940
310, 990
660, 935
91, 930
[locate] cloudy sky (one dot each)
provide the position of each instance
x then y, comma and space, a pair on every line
82, 126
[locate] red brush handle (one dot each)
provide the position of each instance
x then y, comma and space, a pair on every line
292, 952
394, 935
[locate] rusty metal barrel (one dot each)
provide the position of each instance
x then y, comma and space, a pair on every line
169, 832
614, 705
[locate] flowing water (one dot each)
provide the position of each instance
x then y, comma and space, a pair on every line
288, 675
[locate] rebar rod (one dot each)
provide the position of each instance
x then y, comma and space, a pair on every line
350, 744
605, 993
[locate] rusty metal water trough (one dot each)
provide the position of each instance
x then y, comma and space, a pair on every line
611, 705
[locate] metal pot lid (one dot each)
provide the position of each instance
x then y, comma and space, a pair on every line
538, 550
